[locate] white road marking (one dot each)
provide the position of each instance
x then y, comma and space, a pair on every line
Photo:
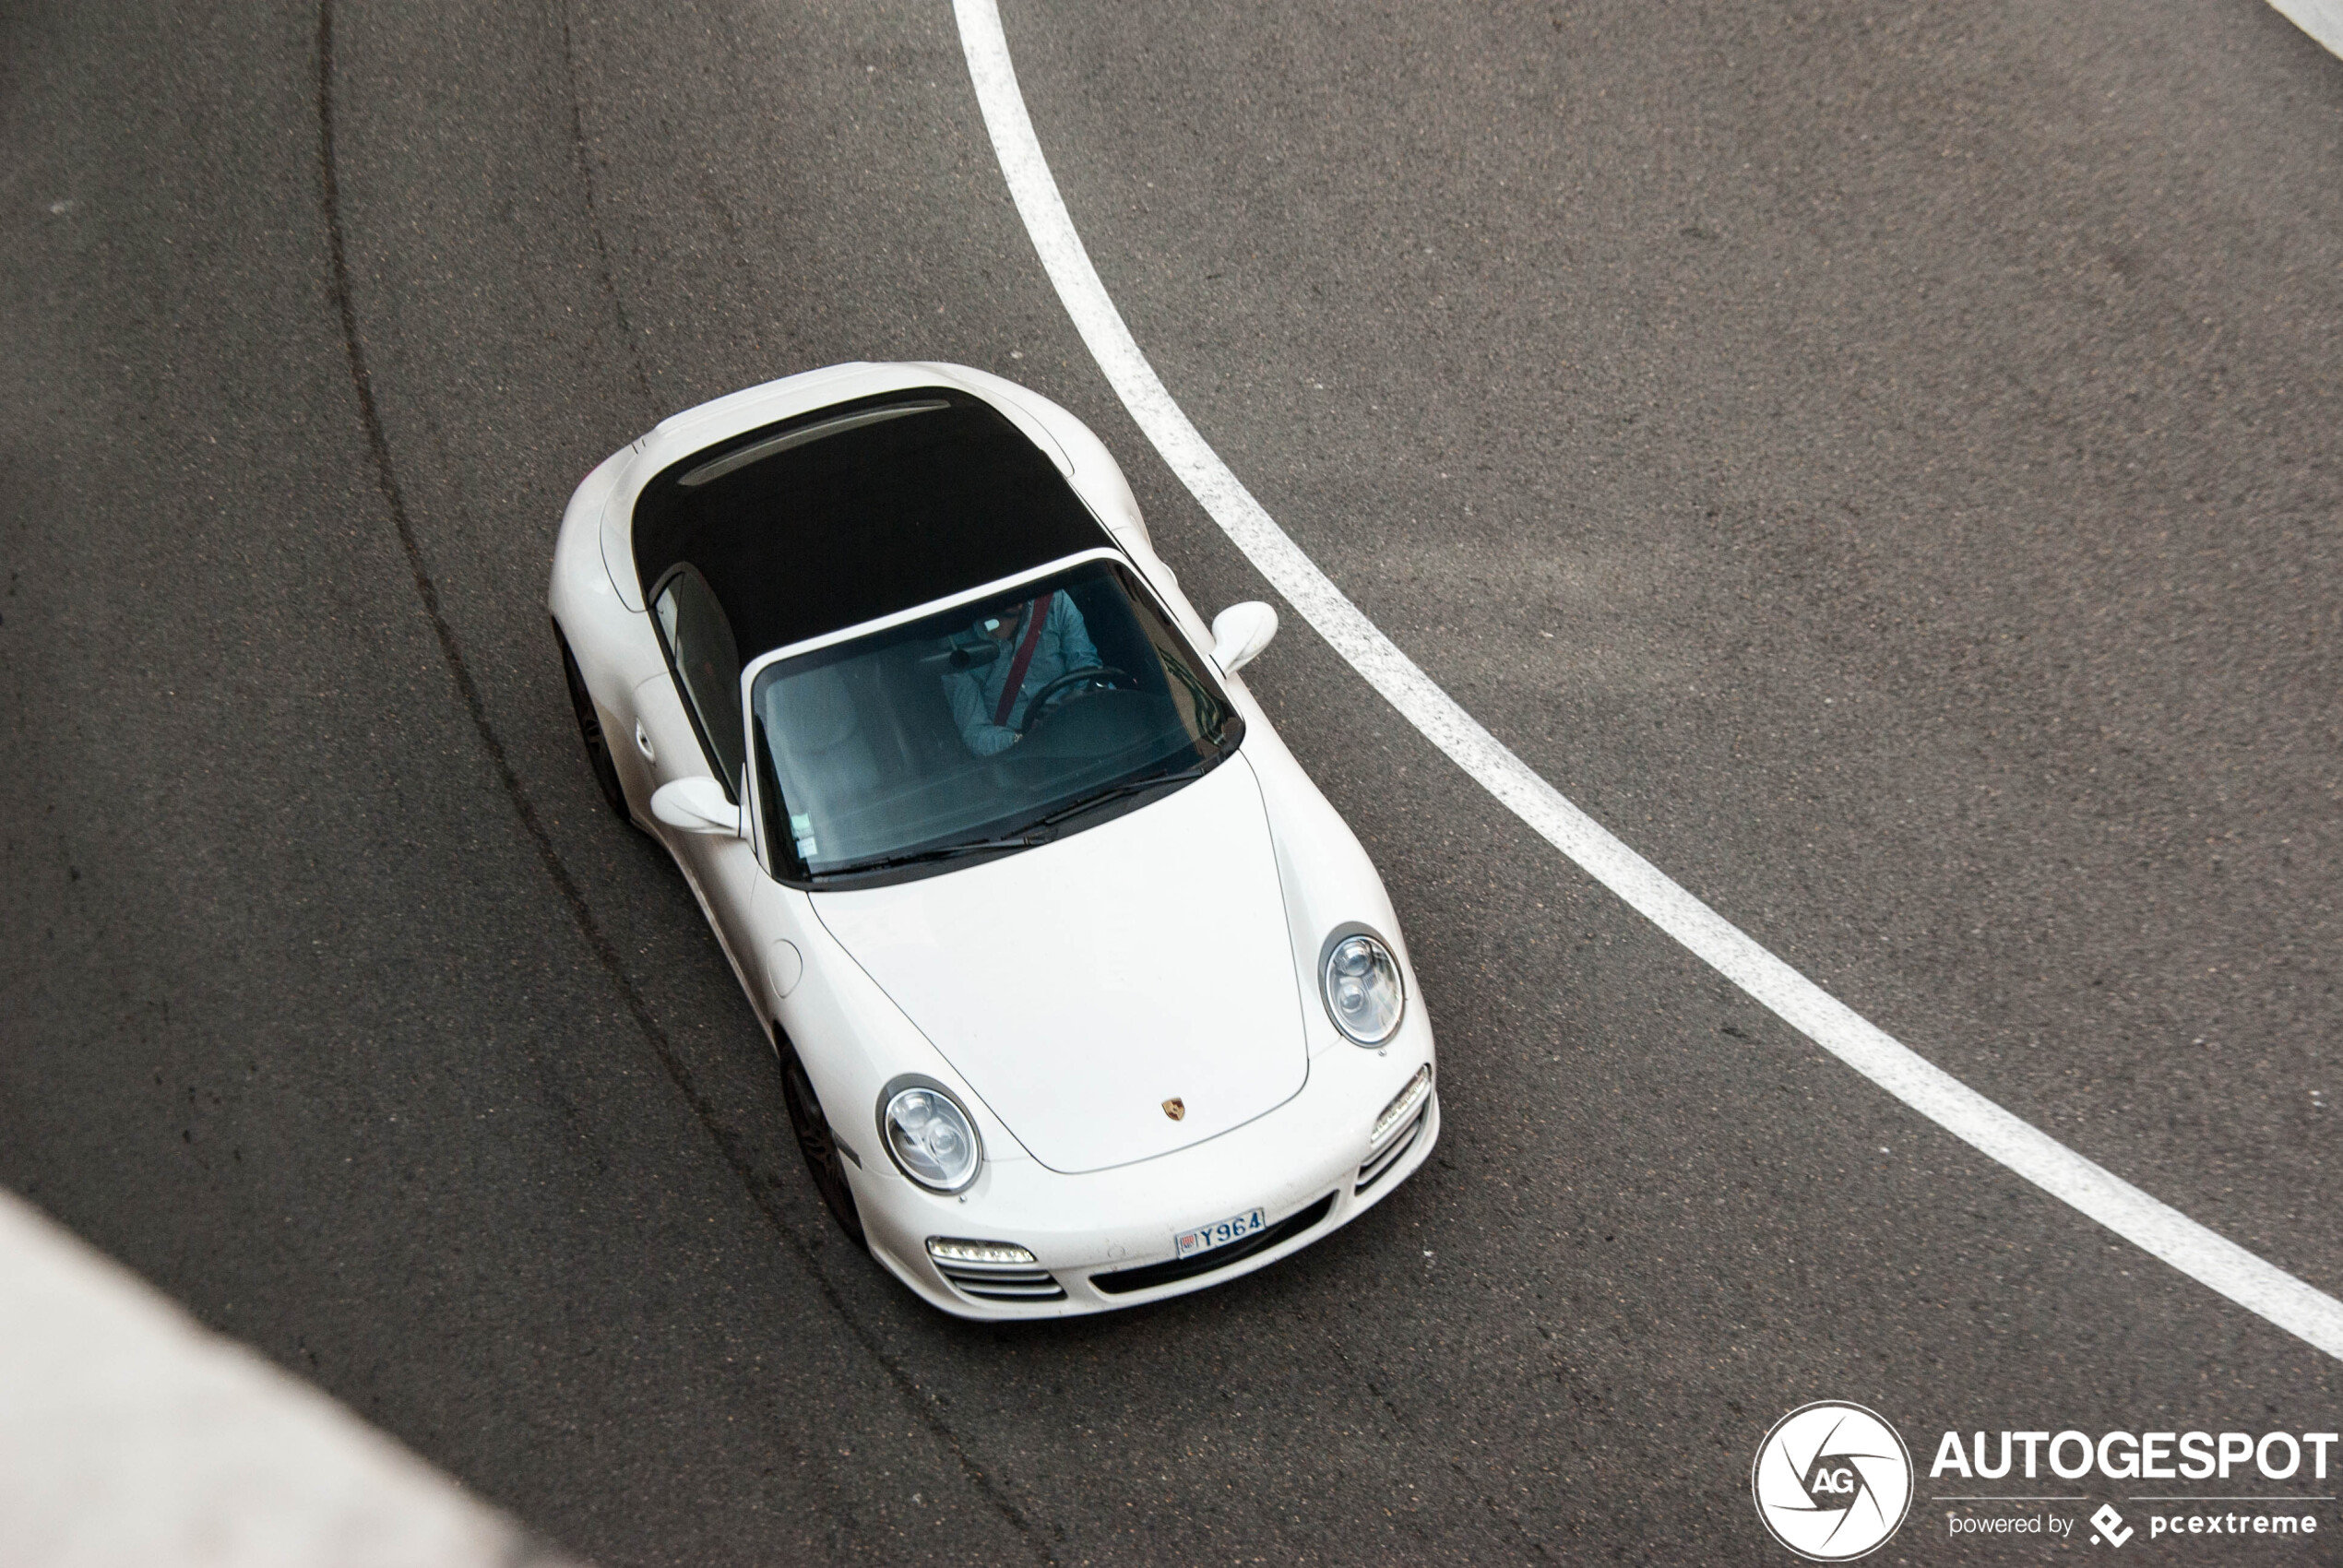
2154, 1227
2323, 19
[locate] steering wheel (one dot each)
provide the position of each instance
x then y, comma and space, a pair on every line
1072, 681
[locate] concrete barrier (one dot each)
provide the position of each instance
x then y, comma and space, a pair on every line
129, 1435
2323, 19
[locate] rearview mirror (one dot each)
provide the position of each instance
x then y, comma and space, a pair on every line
1240, 632
697, 805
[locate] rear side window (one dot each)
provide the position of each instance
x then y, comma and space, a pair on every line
706, 661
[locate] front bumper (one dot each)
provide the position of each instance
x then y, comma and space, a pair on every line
1106, 1239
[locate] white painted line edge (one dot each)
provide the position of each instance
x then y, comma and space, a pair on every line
2323, 19
2154, 1227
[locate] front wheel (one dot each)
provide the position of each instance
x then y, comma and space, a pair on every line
824, 1161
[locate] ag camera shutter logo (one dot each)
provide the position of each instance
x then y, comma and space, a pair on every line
1832, 1481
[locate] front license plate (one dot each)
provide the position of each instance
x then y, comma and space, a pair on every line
1204, 1238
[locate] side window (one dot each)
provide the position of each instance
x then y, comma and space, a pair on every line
707, 662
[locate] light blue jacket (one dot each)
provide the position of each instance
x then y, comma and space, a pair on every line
976, 694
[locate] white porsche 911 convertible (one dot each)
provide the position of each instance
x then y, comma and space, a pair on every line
1083, 996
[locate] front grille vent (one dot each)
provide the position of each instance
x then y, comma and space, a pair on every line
1375, 1168
1001, 1282
1149, 1275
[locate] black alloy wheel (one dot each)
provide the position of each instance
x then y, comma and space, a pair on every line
590, 730
824, 1161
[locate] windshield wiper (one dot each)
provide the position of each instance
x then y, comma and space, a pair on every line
942, 852
1027, 837
1116, 792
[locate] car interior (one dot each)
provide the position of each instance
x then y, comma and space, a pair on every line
872, 762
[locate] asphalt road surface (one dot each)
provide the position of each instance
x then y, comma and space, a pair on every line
1883, 460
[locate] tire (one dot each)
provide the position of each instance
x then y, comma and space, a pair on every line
590, 730
818, 1145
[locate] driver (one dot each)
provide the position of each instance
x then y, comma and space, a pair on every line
1023, 654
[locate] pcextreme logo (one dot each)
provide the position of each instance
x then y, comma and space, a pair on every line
1832, 1481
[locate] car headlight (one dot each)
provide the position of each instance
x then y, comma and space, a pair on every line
1364, 994
927, 1134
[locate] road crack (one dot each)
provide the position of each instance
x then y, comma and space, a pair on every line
762, 1192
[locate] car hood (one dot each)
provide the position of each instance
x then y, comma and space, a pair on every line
1078, 986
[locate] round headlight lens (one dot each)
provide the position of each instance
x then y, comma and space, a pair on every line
931, 1138
1363, 991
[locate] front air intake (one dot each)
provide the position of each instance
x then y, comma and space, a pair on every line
993, 1271
1374, 1170
997, 1283
1155, 1273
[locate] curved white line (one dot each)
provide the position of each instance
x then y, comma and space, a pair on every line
2154, 1227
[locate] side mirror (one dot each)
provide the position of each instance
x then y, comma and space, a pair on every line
1240, 632
697, 805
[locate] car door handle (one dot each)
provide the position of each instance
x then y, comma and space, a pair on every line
643, 743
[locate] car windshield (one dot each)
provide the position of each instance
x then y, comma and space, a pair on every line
981, 728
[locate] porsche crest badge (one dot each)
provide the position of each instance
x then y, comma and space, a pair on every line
1175, 1108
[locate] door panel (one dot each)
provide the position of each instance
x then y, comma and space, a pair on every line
722, 870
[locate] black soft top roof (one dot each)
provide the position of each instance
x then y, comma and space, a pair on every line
856, 511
